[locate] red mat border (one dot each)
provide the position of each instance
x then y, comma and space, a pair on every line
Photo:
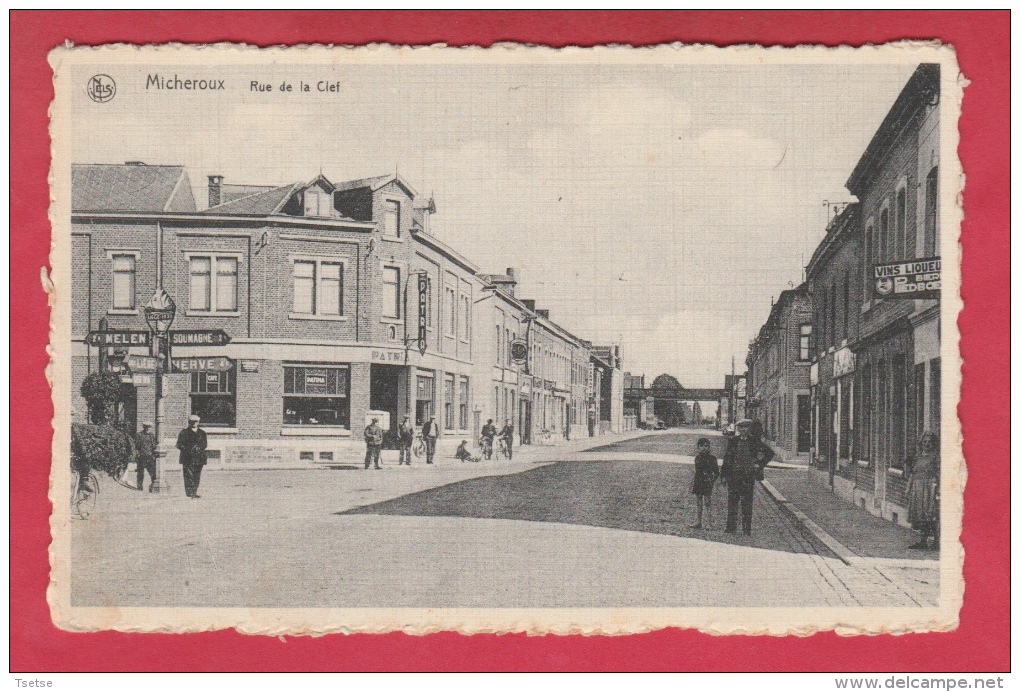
982, 641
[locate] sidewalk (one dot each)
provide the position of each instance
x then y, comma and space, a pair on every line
864, 534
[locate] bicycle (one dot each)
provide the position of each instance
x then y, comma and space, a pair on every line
486, 446
501, 449
84, 491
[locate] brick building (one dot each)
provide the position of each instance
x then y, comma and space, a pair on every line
339, 305
897, 355
778, 374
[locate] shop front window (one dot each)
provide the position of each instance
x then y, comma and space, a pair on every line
316, 395
214, 398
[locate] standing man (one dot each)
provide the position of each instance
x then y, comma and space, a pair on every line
430, 433
507, 433
192, 443
488, 437
406, 433
373, 443
743, 464
146, 455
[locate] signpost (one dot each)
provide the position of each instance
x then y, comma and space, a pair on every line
159, 315
913, 279
120, 337
199, 337
204, 364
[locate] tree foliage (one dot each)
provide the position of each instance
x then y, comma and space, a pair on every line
666, 383
102, 392
101, 447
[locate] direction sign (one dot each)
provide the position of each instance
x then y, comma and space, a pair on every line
199, 337
142, 363
210, 364
118, 338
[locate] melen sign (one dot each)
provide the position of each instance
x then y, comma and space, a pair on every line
914, 279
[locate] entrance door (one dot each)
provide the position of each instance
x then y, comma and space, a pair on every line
525, 425
127, 409
383, 395
803, 423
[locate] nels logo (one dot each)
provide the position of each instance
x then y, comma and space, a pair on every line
101, 88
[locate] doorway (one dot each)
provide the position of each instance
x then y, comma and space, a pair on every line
383, 395
803, 423
525, 424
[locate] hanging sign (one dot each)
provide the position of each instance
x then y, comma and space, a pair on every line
519, 351
914, 279
160, 311
423, 312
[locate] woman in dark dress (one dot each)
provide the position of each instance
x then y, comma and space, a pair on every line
923, 491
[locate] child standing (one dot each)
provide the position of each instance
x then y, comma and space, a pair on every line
706, 470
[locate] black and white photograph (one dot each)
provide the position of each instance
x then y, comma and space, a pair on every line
506, 339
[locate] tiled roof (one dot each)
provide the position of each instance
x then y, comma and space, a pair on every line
363, 182
115, 187
228, 193
258, 204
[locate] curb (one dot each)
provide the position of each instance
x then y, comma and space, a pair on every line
846, 555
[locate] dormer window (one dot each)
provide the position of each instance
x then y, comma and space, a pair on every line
391, 218
318, 202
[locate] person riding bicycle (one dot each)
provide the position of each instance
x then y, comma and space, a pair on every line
507, 435
488, 437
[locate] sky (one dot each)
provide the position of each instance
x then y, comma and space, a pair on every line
662, 207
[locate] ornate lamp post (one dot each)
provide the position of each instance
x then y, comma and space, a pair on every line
159, 315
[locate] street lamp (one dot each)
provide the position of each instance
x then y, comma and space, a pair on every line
159, 315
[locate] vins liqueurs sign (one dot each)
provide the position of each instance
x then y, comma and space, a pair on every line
914, 279
423, 311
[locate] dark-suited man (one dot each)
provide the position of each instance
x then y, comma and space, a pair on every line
373, 443
192, 443
146, 455
430, 433
746, 456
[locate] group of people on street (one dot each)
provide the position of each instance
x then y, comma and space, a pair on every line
191, 442
743, 465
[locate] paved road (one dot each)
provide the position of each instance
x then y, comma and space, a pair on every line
602, 533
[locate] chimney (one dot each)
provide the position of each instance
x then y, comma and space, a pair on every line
529, 304
543, 313
215, 190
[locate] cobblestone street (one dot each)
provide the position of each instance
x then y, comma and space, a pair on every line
533, 532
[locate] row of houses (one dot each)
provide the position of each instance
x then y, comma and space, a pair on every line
303, 310
846, 371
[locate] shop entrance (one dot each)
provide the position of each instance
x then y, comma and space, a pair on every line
525, 424
803, 423
383, 395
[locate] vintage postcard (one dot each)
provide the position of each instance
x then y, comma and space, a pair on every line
598, 340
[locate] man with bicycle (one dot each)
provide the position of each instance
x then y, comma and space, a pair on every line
507, 435
488, 438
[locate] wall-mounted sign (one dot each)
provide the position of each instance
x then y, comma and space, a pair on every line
118, 338
519, 351
211, 364
423, 312
141, 380
199, 337
249, 366
914, 279
380, 356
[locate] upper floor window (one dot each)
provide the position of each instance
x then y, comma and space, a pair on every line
465, 321
213, 283
318, 287
931, 213
901, 251
318, 202
391, 218
391, 292
451, 310
869, 244
805, 342
123, 281
884, 237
